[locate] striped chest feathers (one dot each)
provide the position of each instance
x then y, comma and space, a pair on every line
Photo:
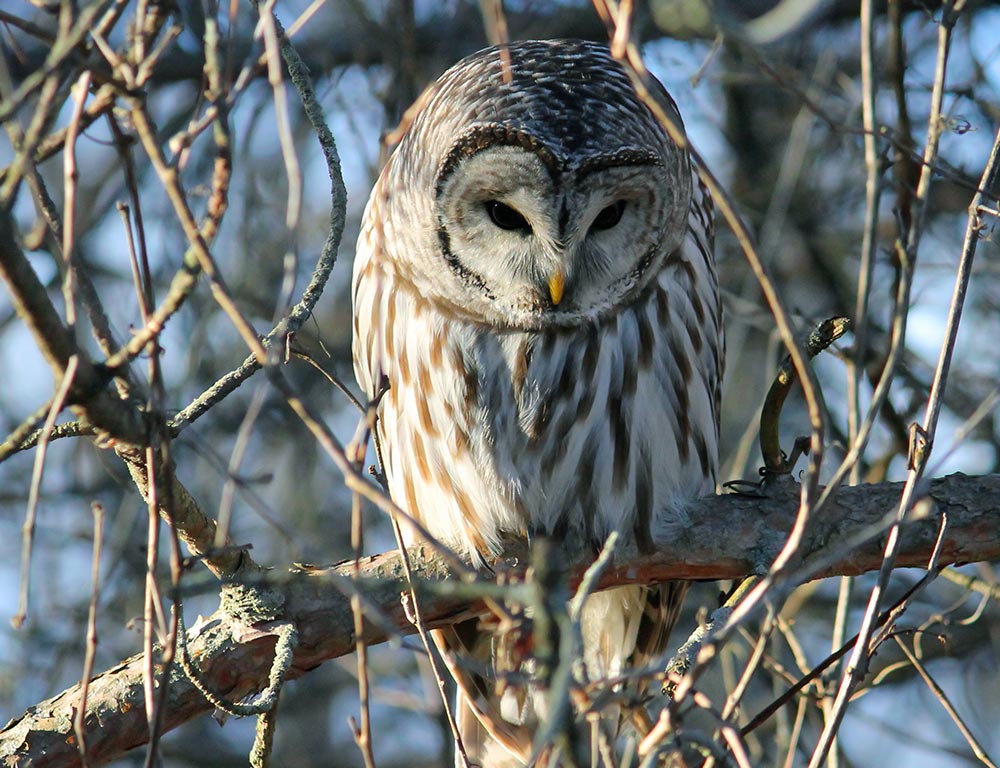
573, 432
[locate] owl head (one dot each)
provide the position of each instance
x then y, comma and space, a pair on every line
534, 188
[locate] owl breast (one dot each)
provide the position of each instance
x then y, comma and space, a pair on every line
573, 432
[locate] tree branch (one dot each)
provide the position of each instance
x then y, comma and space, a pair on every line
58, 344
720, 537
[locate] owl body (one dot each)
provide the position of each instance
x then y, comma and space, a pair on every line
534, 281
487, 431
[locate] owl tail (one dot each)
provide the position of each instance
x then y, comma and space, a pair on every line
621, 628
482, 747
490, 740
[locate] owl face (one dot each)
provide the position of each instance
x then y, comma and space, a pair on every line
549, 247
552, 195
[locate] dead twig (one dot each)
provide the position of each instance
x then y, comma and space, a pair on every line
91, 652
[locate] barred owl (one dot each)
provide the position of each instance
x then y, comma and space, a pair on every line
535, 280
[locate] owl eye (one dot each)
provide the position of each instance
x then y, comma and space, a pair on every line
608, 217
506, 217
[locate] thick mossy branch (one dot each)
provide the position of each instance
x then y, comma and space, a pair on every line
714, 538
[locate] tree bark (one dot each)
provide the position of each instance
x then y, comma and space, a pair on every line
721, 537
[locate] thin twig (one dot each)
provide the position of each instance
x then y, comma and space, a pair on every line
421, 627
142, 275
65, 47
293, 175
152, 614
185, 280
240, 446
591, 576
941, 696
765, 714
732, 735
796, 734
28, 527
356, 452
41, 119
965, 581
986, 409
85, 291
345, 390
16, 440
737, 691
91, 651
869, 242
71, 177
32, 29
170, 179
98, 105
159, 458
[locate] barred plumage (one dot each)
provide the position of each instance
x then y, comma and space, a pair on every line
535, 279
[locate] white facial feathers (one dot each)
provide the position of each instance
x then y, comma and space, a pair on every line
513, 227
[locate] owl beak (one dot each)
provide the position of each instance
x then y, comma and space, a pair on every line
556, 283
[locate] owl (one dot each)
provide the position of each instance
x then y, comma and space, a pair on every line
534, 281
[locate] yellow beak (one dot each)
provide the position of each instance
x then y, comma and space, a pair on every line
556, 282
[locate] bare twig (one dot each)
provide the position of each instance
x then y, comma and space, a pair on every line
66, 43
416, 616
91, 652
170, 179
28, 527
154, 619
941, 696
737, 691
815, 673
269, 32
260, 752
356, 452
18, 439
965, 581
240, 446
873, 188
71, 176
32, 29
57, 344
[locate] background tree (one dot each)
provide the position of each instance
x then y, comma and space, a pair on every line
166, 204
